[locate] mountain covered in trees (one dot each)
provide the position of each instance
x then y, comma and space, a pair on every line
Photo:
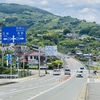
45, 28
38, 19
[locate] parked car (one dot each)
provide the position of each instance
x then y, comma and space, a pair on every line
79, 73
67, 71
56, 72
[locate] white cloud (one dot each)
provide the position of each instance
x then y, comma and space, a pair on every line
89, 14
29, 2
82, 9
47, 9
44, 2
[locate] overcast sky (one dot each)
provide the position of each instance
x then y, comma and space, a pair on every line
81, 9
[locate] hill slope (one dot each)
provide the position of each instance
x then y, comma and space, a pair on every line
32, 17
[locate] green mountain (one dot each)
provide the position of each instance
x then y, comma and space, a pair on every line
38, 19
45, 28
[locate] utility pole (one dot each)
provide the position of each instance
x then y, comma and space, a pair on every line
88, 57
2, 54
35, 47
39, 59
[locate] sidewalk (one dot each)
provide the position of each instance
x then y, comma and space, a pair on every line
6, 81
93, 87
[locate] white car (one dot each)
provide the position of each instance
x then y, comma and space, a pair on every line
56, 72
67, 71
79, 73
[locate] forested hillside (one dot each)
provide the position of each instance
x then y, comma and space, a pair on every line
38, 19
45, 28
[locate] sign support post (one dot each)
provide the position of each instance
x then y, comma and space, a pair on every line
2, 54
35, 47
13, 34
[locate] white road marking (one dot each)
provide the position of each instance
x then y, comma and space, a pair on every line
31, 85
52, 78
13, 90
28, 89
88, 80
24, 80
23, 87
41, 79
48, 89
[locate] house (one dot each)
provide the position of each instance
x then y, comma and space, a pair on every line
81, 46
20, 50
72, 36
31, 58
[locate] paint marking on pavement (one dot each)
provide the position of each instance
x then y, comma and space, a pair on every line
97, 80
24, 80
47, 90
31, 85
13, 90
88, 80
23, 87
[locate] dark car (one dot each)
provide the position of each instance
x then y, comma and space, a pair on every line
82, 67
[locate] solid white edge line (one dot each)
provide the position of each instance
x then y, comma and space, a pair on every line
49, 89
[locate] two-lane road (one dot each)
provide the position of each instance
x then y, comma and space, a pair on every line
49, 87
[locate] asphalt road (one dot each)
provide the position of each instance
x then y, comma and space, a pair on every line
49, 87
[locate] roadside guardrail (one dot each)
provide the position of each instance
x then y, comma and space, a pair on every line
8, 76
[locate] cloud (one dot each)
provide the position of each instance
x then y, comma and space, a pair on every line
89, 14
29, 2
81, 9
44, 2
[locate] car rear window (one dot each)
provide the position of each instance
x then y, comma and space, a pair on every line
56, 70
67, 69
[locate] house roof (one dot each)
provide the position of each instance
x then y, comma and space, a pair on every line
34, 54
23, 60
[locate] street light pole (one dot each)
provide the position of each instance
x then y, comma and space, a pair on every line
89, 64
2, 54
88, 57
39, 59
35, 47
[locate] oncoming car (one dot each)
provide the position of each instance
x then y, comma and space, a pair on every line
79, 73
82, 67
67, 71
56, 72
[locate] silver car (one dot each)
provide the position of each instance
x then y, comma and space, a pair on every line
56, 72
79, 73
67, 71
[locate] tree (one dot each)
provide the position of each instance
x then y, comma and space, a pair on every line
66, 31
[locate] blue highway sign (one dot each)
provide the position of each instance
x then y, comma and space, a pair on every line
13, 34
8, 56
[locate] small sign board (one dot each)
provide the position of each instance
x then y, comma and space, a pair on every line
51, 50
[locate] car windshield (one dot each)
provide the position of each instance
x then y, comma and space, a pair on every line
56, 70
67, 69
80, 71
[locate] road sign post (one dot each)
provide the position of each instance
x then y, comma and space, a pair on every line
38, 49
13, 34
9, 62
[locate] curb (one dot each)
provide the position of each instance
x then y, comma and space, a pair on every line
6, 83
19, 79
82, 95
